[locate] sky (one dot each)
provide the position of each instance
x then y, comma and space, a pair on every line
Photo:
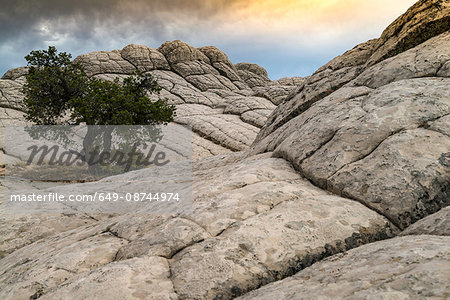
287, 37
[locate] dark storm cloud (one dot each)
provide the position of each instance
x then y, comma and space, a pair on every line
21, 16
81, 25
288, 37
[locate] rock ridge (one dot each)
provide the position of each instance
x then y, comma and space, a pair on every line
346, 171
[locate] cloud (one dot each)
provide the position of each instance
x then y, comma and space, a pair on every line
288, 37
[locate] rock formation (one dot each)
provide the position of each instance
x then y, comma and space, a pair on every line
219, 105
299, 184
400, 268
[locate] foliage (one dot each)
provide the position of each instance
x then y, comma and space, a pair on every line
112, 103
58, 91
52, 81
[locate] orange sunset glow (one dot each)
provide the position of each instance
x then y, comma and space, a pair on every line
288, 37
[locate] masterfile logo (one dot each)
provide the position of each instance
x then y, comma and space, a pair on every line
88, 153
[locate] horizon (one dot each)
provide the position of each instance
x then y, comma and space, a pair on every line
286, 37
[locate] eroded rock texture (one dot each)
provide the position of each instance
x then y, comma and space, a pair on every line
214, 97
436, 224
414, 267
252, 221
382, 138
351, 155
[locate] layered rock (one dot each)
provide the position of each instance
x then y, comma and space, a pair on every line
252, 74
101, 62
244, 229
381, 139
436, 224
144, 58
323, 82
354, 154
221, 63
15, 73
424, 20
213, 98
11, 96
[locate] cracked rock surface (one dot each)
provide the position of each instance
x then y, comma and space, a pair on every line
381, 139
220, 105
413, 267
436, 224
252, 221
335, 185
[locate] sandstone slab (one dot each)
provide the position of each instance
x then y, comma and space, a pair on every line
413, 267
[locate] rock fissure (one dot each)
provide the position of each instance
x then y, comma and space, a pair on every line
363, 156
